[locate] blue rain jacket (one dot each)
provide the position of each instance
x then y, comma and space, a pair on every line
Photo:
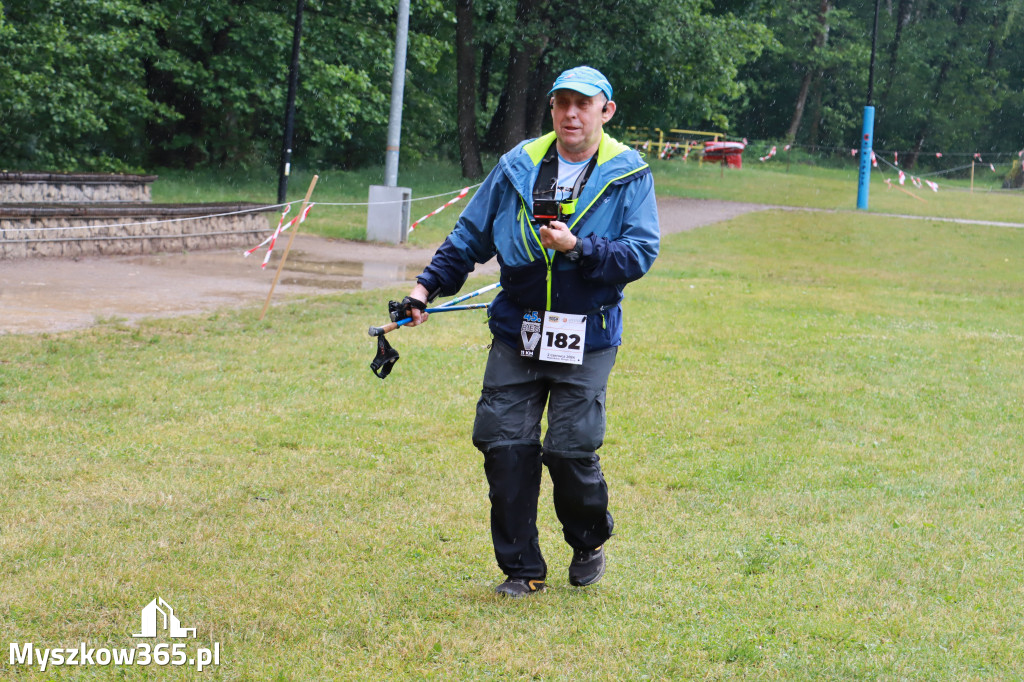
616, 216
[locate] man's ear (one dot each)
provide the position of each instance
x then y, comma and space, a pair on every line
607, 111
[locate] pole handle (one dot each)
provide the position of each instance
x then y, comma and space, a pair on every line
380, 331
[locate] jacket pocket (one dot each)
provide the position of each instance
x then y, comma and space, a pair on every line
526, 285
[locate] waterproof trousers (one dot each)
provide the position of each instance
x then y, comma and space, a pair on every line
507, 431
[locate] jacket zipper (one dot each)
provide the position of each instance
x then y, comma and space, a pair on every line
548, 260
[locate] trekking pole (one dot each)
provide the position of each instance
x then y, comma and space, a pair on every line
386, 357
392, 326
444, 307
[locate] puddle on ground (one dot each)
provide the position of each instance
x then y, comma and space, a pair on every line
302, 269
52, 295
346, 274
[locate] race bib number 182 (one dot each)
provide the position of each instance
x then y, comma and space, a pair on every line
553, 337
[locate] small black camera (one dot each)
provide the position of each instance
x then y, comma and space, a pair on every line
544, 211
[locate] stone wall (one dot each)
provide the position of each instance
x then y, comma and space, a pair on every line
29, 188
34, 231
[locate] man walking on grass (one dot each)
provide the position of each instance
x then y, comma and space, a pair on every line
572, 218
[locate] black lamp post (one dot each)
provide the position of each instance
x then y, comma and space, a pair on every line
289, 116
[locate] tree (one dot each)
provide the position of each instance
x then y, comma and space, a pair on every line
685, 72
132, 84
469, 142
72, 86
812, 71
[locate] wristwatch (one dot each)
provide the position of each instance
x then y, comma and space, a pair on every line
576, 252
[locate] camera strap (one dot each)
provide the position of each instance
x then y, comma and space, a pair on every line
547, 180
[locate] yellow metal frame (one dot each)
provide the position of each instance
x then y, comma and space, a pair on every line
637, 137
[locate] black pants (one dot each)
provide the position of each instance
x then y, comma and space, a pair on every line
507, 430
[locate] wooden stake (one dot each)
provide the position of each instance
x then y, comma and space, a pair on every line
972, 177
284, 256
892, 186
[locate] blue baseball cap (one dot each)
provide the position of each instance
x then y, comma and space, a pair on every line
584, 80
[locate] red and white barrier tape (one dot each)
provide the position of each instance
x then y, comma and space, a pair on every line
463, 192
281, 227
902, 177
770, 154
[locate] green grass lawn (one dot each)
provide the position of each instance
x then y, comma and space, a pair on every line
813, 453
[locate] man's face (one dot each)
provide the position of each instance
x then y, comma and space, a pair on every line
578, 119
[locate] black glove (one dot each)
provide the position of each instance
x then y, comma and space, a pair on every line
399, 310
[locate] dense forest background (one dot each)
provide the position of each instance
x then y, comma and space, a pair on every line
140, 84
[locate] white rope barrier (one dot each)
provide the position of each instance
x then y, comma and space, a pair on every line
258, 209
184, 235
400, 201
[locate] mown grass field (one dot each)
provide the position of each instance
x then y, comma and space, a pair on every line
814, 456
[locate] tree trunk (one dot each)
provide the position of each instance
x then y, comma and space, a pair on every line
820, 40
816, 112
798, 108
486, 57
902, 19
508, 126
465, 69
517, 88
540, 82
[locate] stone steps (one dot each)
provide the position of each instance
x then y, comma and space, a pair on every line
81, 214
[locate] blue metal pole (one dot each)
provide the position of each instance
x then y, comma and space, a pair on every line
867, 133
445, 309
866, 145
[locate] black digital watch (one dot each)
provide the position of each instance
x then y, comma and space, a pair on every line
576, 252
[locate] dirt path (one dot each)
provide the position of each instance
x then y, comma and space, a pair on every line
49, 295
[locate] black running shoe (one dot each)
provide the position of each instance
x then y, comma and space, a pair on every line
519, 587
587, 567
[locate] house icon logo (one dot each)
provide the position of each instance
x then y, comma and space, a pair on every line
159, 613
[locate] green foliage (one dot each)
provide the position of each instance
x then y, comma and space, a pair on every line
669, 61
948, 76
135, 84
72, 83
954, 76
131, 83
